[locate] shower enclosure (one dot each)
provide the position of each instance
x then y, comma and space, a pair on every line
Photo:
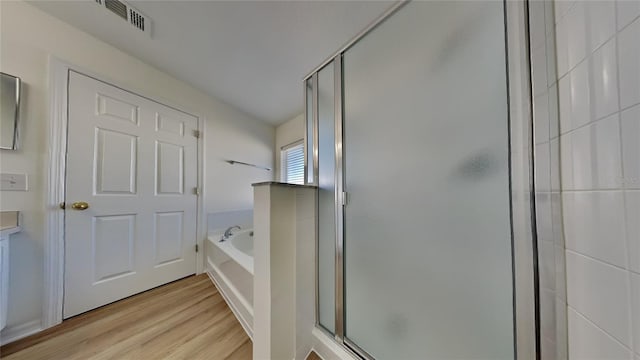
419, 137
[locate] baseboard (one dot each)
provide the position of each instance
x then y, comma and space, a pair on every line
236, 312
17, 332
327, 348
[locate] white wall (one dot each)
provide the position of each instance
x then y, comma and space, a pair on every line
283, 286
28, 38
599, 96
287, 133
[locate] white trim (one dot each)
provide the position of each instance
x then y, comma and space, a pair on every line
55, 186
201, 214
221, 286
56, 166
17, 332
327, 348
292, 144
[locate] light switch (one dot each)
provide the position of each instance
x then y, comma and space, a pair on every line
13, 182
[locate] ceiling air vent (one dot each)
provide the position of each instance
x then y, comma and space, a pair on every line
127, 12
116, 7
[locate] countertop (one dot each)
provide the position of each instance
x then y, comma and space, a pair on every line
283, 184
9, 223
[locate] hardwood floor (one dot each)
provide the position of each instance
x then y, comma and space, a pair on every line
313, 356
186, 319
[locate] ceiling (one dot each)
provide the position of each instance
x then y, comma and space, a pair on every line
250, 54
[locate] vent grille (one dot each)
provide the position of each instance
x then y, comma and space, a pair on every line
117, 8
136, 19
128, 13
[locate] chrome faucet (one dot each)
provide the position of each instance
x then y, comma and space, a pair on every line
228, 233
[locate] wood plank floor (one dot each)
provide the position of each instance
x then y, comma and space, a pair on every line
313, 356
186, 319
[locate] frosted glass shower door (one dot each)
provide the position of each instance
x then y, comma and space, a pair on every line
326, 199
427, 233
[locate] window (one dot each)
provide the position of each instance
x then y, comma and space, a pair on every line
292, 163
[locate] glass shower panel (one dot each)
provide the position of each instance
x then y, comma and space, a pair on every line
309, 126
428, 266
326, 198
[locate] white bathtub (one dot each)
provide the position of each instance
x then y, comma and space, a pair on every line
239, 247
230, 266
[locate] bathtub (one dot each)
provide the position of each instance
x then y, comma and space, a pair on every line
230, 266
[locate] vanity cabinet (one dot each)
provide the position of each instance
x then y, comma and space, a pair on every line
8, 226
4, 279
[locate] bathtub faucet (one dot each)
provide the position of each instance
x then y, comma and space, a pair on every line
227, 233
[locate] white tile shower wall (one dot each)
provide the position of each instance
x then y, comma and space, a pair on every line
599, 292
629, 63
595, 225
632, 203
635, 295
598, 58
630, 135
588, 341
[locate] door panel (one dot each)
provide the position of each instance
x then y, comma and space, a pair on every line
117, 109
114, 151
132, 160
168, 228
113, 240
169, 168
167, 124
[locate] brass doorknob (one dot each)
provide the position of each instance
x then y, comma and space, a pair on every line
80, 205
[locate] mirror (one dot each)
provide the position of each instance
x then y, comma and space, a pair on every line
9, 111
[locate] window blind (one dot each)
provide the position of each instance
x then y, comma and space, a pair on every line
293, 163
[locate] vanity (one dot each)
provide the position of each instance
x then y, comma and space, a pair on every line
10, 89
9, 224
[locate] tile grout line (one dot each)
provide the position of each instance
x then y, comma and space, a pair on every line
600, 261
601, 190
592, 122
632, 327
566, 12
615, 33
600, 328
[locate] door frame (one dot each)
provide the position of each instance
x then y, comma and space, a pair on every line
54, 236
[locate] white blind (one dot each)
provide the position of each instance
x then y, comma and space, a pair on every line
293, 163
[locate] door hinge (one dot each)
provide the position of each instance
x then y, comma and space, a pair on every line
196, 133
344, 198
196, 191
197, 248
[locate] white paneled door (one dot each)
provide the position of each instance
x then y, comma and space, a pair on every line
133, 162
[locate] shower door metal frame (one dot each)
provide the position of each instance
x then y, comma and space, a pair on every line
340, 197
522, 200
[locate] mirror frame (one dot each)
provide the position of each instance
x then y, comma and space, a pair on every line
16, 120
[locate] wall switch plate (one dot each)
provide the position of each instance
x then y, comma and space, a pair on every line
13, 182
